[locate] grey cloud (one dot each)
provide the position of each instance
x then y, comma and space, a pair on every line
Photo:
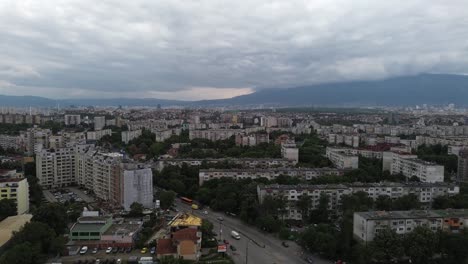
116, 47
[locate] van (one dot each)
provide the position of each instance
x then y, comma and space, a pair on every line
235, 235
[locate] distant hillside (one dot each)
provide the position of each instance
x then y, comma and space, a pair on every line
409, 90
433, 89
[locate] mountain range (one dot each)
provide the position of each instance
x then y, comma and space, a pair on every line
432, 89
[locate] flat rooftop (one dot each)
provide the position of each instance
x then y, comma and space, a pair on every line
412, 214
12, 224
186, 219
125, 229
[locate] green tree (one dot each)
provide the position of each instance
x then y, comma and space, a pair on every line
167, 199
384, 202
52, 214
24, 253
304, 204
7, 208
321, 214
136, 209
387, 245
420, 245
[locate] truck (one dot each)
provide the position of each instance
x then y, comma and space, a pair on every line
235, 235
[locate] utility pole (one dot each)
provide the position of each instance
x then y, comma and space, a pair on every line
247, 252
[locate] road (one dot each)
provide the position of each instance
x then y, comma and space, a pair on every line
258, 246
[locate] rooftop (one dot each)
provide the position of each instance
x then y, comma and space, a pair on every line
11, 224
376, 215
186, 219
78, 227
165, 247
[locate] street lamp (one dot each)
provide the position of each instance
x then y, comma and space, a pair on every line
247, 251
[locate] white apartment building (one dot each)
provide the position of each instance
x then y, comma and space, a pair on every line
36, 139
127, 136
349, 140
97, 135
99, 122
55, 168
290, 151
72, 120
425, 192
214, 134
245, 162
137, 186
14, 142
164, 134
341, 159
268, 173
413, 167
367, 224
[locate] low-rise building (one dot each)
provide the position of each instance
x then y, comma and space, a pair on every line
367, 224
268, 173
409, 166
127, 136
425, 192
341, 159
244, 162
290, 151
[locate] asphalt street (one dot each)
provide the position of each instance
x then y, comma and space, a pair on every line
254, 246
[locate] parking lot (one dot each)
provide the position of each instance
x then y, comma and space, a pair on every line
67, 194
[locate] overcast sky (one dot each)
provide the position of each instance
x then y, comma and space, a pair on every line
199, 49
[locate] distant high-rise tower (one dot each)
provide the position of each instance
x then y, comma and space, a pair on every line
462, 175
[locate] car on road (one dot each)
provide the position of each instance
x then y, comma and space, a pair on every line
205, 212
83, 250
95, 250
108, 250
233, 248
310, 260
220, 218
144, 250
153, 250
285, 244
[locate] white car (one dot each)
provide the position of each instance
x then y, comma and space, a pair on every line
205, 212
119, 261
108, 250
83, 250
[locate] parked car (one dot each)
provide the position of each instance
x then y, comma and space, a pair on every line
83, 250
310, 260
129, 249
119, 261
285, 244
95, 250
220, 218
144, 250
205, 212
115, 250
108, 250
122, 250
153, 250
233, 248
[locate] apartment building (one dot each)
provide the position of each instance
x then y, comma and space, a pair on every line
36, 139
425, 192
410, 166
163, 134
127, 136
16, 189
97, 135
11, 142
341, 159
268, 173
213, 134
137, 185
66, 139
462, 172
72, 120
290, 151
349, 140
55, 167
99, 122
252, 139
367, 224
106, 176
244, 162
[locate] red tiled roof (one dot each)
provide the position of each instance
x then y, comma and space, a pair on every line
165, 247
185, 234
